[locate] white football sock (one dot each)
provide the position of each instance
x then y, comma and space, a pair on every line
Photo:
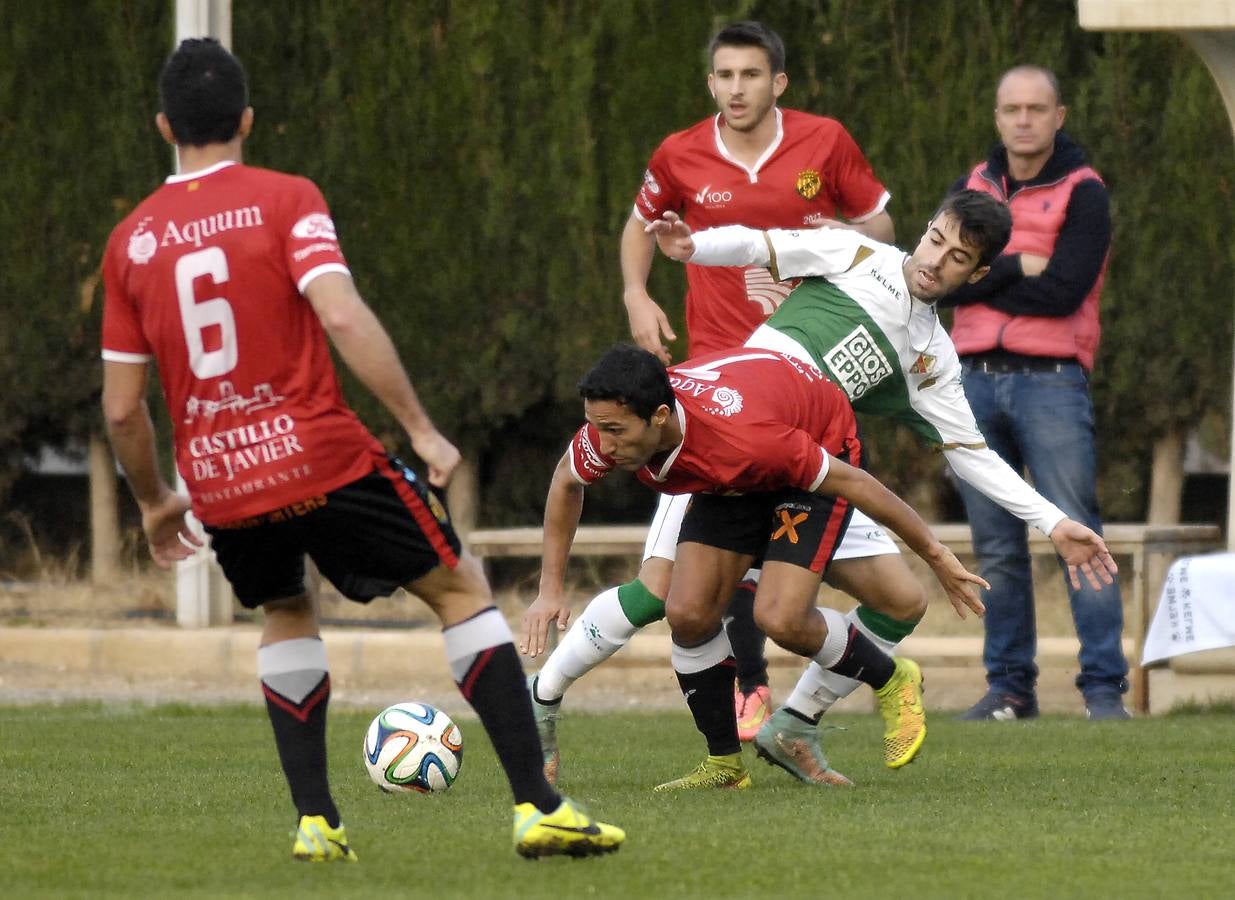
601, 630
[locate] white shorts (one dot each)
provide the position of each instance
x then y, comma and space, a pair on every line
863, 537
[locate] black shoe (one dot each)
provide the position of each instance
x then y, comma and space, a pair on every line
1105, 706
1002, 707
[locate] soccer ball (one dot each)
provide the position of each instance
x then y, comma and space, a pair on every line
413, 747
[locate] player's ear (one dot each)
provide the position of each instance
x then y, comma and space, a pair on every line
165, 128
661, 416
780, 81
246, 123
712, 85
979, 273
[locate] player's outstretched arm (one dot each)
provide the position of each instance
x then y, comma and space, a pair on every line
648, 322
1084, 553
673, 236
867, 494
1082, 549
132, 438
563, 506
368, 351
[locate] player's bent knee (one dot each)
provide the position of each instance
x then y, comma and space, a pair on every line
779, 617
288, 618
690, 623
906, 603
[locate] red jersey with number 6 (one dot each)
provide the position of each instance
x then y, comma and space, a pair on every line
206, 277
813, 170
751, 420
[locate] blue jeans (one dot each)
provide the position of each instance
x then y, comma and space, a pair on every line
1041, 422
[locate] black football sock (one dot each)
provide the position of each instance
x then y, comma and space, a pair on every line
863, 661
705, 674
747, 639
296, 684
709, 694
486, 668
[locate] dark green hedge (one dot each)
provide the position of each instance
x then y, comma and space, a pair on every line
481, 159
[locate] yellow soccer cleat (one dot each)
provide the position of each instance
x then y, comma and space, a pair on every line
714, 772
567, 831
316, 841
900, 704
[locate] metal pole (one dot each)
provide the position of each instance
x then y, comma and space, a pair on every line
201, 596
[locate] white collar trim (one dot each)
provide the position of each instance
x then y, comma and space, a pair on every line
752, 171
200, 173
663, 473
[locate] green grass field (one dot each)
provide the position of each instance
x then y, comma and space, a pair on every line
131, 801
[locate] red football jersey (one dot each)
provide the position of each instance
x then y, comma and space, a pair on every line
205, 276
813, 171
752, 420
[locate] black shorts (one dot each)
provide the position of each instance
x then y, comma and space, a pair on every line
367, 538
791, 526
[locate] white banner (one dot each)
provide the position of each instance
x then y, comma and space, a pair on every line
1197, 608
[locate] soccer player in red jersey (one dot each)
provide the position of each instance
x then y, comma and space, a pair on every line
760, 439
753, 163
230, 278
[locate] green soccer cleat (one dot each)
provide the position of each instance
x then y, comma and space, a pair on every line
316, 841
547, 715
567, 831
714, 772
900, 704
788, 742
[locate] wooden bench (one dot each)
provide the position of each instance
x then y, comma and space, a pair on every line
590, 540
1150, 548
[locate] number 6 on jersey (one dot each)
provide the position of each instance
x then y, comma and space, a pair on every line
198, 316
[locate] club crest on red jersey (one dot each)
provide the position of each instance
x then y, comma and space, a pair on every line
808, 184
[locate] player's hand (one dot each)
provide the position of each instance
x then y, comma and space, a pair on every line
672, 236
958, 582
1033, 265
544, 610
167, 530
1084, 552
648, 323
440, 455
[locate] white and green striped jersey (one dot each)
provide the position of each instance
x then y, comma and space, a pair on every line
852, 316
